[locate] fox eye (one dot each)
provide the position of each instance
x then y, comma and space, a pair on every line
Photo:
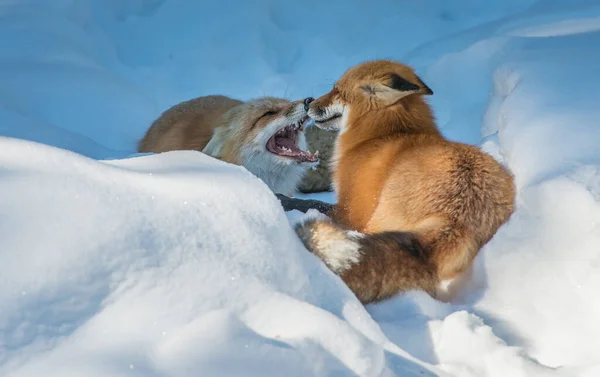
269, 113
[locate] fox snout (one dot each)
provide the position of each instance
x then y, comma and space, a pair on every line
316, 107
307, 102
326, 111
316, 112
319, 107
299, 109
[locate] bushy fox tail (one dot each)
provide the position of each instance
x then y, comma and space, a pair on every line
374, 266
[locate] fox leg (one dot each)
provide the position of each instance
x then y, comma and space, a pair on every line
303, 205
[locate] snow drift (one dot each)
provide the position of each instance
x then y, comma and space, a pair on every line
157, 265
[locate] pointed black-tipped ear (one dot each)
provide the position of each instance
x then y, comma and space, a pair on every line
393, 88
399, 83
402, 85
425, 90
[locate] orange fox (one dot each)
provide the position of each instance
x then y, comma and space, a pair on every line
413, 208
265, 135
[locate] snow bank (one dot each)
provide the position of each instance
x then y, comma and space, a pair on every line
59, 86
543, 112
160, 265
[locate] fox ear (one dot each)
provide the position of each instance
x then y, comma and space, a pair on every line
383, 93
424, 89
394, 89
402, 85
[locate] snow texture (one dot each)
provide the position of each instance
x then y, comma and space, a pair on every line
118, 264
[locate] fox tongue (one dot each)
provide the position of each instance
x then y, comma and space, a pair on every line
285, 146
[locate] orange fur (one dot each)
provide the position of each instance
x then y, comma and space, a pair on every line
188, 125
395, 173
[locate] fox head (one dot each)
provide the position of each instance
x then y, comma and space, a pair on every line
364, 88
265, 135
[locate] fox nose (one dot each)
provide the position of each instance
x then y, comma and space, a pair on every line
307, 101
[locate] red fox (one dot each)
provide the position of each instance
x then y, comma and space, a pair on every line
414, 208
265, 135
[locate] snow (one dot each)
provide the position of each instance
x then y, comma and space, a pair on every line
114, 263
129, 267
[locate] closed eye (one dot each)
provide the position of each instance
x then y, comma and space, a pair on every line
269, 113
266, 114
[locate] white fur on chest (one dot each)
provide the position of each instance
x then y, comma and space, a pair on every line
335, 157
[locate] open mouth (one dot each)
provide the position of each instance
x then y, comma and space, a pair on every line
321, 122
285, 144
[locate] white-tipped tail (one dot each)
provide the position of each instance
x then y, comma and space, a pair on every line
338, 248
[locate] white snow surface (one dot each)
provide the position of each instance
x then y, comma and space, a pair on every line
115, 264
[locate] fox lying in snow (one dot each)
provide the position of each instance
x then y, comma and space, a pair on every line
413, 208
265, 135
